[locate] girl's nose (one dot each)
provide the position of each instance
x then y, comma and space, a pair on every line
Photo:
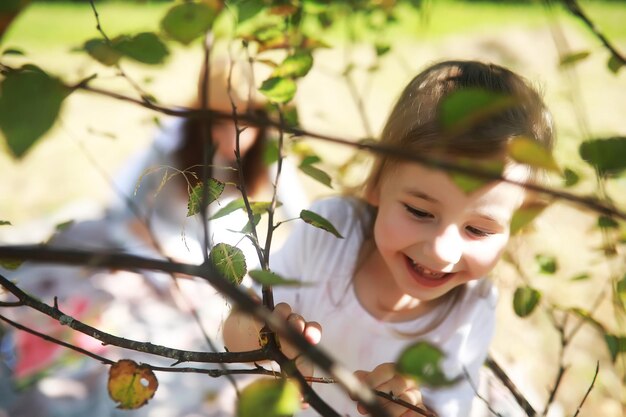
446, 247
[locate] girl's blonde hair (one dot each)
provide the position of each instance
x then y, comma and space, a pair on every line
415, 123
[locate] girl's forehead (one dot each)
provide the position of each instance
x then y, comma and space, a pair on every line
439, 186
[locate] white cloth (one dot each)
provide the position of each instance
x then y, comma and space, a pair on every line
181, 237
358, 340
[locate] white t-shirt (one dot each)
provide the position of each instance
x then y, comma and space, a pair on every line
461, 327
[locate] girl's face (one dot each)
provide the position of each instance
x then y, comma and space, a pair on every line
432, 236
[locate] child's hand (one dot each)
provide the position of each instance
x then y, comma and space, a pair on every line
384, 378
312, 332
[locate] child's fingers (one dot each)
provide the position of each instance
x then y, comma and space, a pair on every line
380, 375
282, 310
397, 385
313, 332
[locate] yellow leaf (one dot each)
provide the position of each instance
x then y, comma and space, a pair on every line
530, 152
131, 385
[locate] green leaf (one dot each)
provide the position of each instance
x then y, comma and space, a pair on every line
525, 299
145, 47
278, 90
586, 316
290, 116
318, 221
468, 182
234, 205
10, 264
571, 178
530, 152
316, 173
614, 64
524, 216
607, 155
63, 226
187, 21
247, 9
382, 49
13, 51
620, 289
269, 398
547, 264
270, 153
467, 107
580, 277
605, 222
616, 345
30, 101
5, 223
573, 58
296, 65
213, 191
11, 5
270, 278
256, 218
229, 261
102, 51
257, 207
422, 361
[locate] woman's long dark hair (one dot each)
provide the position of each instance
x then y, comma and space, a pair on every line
190, 155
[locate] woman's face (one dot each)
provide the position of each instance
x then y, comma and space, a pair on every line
225, 139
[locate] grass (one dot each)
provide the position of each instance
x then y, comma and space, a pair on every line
43, 25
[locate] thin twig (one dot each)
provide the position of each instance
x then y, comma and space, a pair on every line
557, 384
504, 378
593, 381
366, 145
348, 382
576, 10
144, 347
144, 96
214, 373
57, 341
239, 162
419, 410
478, 395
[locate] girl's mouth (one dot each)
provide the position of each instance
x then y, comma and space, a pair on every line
427, 277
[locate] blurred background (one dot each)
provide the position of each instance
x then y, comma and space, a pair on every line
68, 174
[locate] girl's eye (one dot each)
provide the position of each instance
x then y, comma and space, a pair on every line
478, 232
419, 214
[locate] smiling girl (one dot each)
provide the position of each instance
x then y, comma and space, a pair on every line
416, 248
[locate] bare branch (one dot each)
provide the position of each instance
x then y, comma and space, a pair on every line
368, 145
57, 341
355, 388
419, 410
593, 381
502, 376
144, 347
480, 397
214, 373
575, 9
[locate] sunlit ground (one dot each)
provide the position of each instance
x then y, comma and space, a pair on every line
67, 175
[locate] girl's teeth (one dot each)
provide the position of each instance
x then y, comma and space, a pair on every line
426, 272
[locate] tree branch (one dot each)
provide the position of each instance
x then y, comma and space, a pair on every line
144, 347
593, 381
350, 384
368, 145
575, 9
502, 376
